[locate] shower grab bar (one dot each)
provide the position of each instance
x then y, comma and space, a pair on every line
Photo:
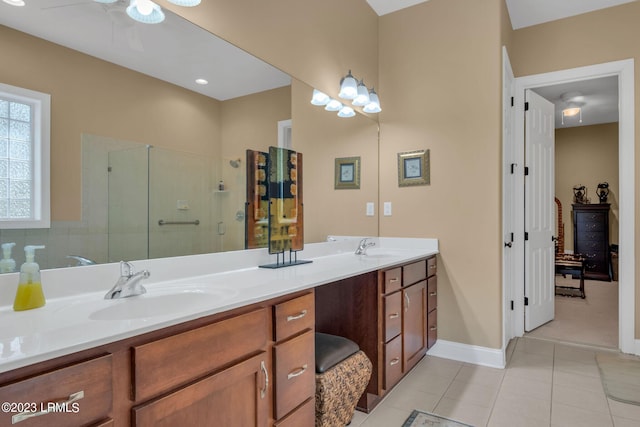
163, 222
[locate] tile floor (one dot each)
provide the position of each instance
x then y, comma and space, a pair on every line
546, 383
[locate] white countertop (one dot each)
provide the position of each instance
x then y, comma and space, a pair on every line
77, 317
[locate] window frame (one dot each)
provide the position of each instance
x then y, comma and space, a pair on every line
41, 193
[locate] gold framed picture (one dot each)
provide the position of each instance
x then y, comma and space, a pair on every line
413, 168
347, 173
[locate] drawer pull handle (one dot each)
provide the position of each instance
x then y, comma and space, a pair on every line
50, 408
432, 266
406, 296
297, 372
393, 280
394, 361
394, 316
263, 368
433, 294
297, 316
433, 328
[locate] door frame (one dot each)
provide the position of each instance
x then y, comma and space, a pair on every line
624, 69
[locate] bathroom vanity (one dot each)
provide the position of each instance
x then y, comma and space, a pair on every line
241, 353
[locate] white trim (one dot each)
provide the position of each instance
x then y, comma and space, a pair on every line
284, 134
41, 197
625, 71
484, 356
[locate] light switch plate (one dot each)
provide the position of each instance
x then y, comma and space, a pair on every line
387, 208
371, 209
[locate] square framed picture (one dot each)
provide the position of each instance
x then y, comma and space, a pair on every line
413, 168
347, 173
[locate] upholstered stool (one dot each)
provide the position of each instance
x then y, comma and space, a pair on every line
342, 374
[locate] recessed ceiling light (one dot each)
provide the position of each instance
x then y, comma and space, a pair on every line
202, 82
14, 2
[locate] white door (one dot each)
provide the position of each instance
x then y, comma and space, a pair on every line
512, 200
539, 211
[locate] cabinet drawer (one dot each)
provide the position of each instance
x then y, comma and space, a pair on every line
392, 315
432, 266
392, 280
293, 317
303, 416
590, 225
294, 362
166, 363
432, 293
432, 328
412, 273
234, 396
89, 383
392, 362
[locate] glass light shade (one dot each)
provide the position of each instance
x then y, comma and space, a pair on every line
374, 103
362, 98
346, 111
14, 2
333, 105
145, 11
186, 3
202, 81
348, 87
105, 1
319, 98
570, 112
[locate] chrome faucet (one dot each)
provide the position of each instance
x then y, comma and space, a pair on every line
81, 260
363, 245
128, 284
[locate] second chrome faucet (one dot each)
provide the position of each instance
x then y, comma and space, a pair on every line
128, 284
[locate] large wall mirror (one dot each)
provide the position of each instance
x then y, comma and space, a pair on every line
143, 168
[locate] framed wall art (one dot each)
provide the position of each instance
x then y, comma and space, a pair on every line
413, 168
347, 173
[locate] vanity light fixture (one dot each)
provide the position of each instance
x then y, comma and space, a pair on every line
346, 111
362, 98
333, 105
348, 87
319, 98
374, 103
14, 2
145, 11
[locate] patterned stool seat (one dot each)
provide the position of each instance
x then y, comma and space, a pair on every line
342, 374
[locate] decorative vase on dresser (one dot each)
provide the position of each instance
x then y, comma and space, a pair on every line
591, 238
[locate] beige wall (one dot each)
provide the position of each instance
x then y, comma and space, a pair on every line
587, 155
322, 137
248, 122
607, 35
96, 97
440, 83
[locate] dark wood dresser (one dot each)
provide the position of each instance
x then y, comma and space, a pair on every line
591, 238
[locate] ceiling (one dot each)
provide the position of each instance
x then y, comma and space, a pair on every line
171, 51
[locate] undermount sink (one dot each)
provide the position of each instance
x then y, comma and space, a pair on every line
160, 304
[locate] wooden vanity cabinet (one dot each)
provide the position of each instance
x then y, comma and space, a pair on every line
215, 372
294, 360
78, 394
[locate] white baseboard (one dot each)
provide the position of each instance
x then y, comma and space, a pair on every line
637, 347
477, 355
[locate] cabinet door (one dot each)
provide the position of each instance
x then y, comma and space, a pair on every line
414, 322
236, 396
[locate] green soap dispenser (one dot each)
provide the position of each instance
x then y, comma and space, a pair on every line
7, 264
29, 294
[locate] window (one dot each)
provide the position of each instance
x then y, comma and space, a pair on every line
24, 158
